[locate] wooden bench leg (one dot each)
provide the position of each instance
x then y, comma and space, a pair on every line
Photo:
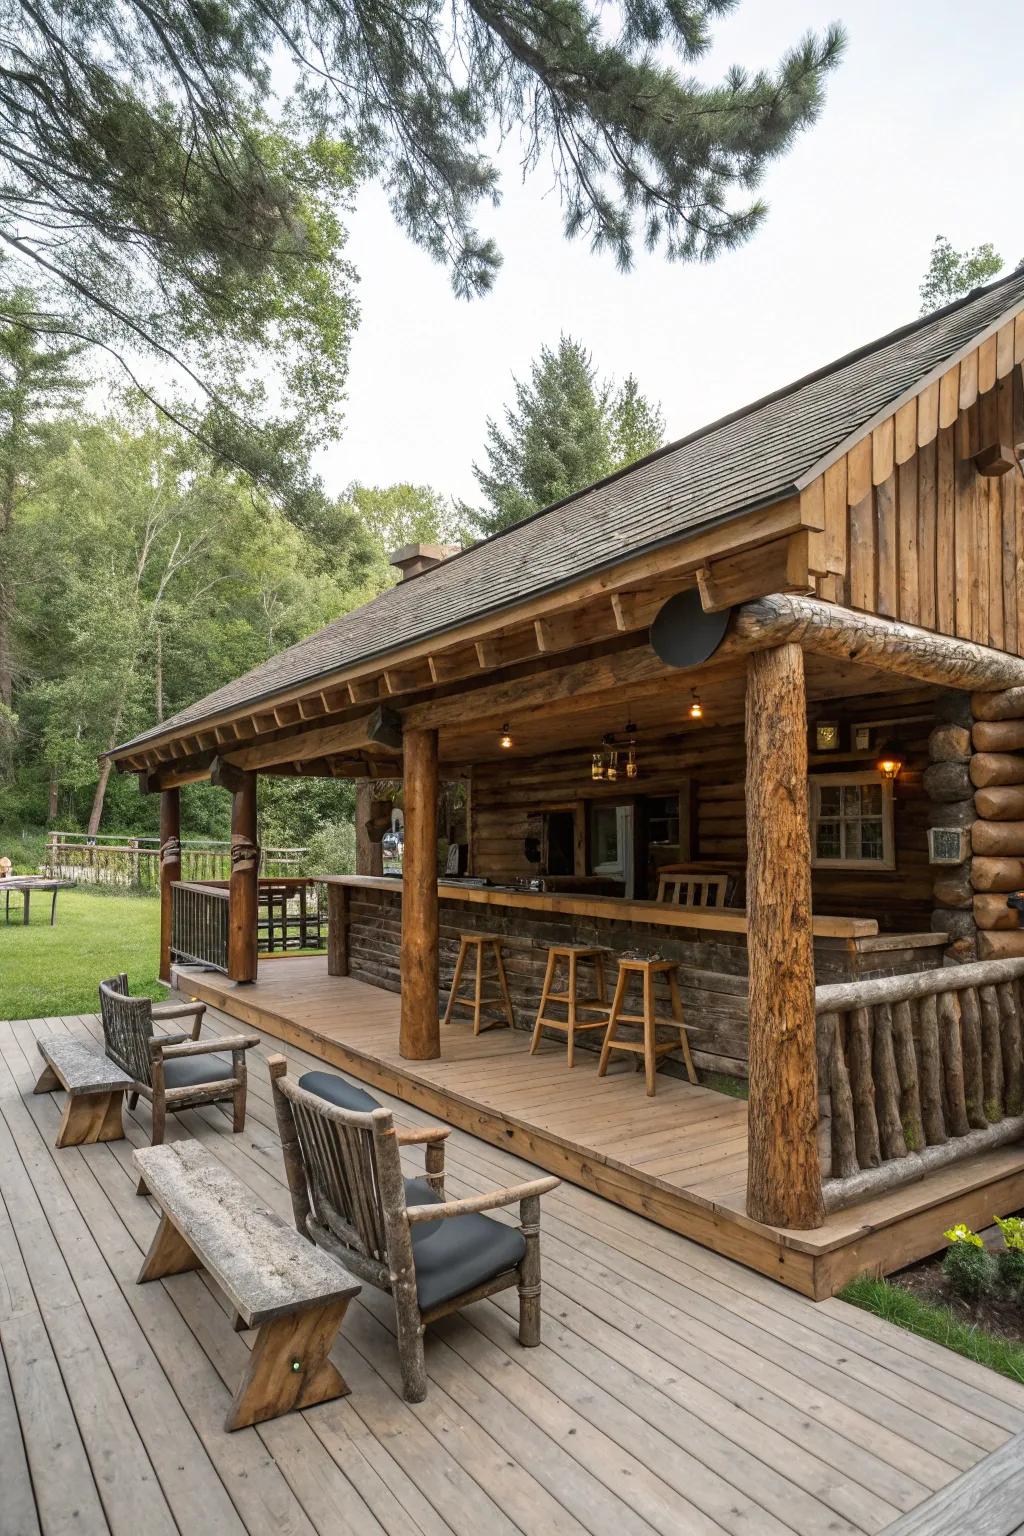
91, 1117
288, 1368
48, 1081
169, 1254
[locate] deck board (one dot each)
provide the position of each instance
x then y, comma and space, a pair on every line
674, 1389
679, 1157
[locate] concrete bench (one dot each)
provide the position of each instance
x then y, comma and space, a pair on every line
275, 1280
95, 1088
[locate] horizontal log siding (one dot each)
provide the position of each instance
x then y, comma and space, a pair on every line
712, 968
505, 796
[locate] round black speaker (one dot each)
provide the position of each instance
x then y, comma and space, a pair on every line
683, 634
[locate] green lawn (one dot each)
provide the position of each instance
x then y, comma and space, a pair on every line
936, 1323
46, 971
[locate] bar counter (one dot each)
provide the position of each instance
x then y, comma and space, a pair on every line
709, 944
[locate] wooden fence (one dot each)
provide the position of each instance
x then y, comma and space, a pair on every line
915, 1072
135, 861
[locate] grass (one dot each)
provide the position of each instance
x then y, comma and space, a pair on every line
47, 971
937, 1323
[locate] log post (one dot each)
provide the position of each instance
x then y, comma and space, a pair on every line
420, 1035
170, 870
243, 887
369, 855
337, 930
784, 1174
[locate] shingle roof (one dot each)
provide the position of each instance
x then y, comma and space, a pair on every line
750, 458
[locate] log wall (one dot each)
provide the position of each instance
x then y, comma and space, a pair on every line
997, 834
507, 799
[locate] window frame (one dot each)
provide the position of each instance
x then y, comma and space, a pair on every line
847, 780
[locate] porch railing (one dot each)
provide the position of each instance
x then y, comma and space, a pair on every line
199, 924
915, 1072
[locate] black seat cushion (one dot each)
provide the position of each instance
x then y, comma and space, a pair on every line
194, 1071
419, 1192
455, 1255
338, 1090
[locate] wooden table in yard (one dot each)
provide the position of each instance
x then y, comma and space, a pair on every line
275, 1280
26, 884
95, 1088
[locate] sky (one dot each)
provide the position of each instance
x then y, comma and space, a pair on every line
919, 135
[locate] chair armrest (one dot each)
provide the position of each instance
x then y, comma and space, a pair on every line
176, 1010
163, 1041
424, 1133
491, 1200
211, 1047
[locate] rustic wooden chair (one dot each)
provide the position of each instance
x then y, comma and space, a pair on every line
435, 1256
688, 888
161, 1013
171, 1071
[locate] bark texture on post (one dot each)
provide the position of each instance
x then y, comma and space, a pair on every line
243, 891
784, 1174
369, 855
337, 930
420, 1036
170, 870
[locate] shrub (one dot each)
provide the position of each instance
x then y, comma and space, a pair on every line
1011, 1260
968, 1267
332, 849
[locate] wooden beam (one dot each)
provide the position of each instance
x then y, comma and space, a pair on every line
381, 729
225, 775
243, 886
784, 1174
420, 1030
828, 630
170, 870
783, 566
996, 459
184, 770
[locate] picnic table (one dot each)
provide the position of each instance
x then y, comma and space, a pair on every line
26, 884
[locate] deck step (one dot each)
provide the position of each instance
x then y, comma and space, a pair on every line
986, 1501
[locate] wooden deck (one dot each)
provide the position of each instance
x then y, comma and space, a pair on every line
675, 1392
679, 1158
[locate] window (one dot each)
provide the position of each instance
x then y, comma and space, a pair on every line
851, 821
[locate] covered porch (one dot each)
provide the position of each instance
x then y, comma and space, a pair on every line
680, 1160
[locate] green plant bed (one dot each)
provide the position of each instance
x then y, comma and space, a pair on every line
1000, 1346
46, 971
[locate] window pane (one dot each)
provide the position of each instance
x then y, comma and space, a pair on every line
827, 844
829, 800
871, 799
604, 835
871, 842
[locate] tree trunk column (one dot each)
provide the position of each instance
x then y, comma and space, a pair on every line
420, 1037
243, 889
784, 1175
170, 869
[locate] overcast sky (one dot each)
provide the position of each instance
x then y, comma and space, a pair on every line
921, 134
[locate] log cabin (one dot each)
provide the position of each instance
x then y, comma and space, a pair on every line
743, 723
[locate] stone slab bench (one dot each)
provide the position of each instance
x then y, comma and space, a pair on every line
95, 1088
276, 1281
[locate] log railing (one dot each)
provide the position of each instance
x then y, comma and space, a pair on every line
915, 1072
199, 924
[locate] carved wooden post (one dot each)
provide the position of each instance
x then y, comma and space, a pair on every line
170, 869
784, 1175
243, 889
420, 1037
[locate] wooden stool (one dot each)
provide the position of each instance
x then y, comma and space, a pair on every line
571, 954
478, 943
648, 1045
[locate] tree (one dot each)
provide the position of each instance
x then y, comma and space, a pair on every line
951, 274
38, 384
394, 515
181, 214
566, 430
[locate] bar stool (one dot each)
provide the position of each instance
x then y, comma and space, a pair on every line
570, 955
480, 945
647, 1046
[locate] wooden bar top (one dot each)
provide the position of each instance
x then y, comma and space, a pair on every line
610, 908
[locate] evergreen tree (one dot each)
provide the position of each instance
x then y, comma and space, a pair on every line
951, 274
178, 211
566, 430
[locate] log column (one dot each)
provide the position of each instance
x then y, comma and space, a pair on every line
947, 783
997, 836
784, 1174
420, 1037
170, 869
243, 890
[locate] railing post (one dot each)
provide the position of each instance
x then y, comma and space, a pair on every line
420, 1033
243, 888
784, 1174
170, 870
